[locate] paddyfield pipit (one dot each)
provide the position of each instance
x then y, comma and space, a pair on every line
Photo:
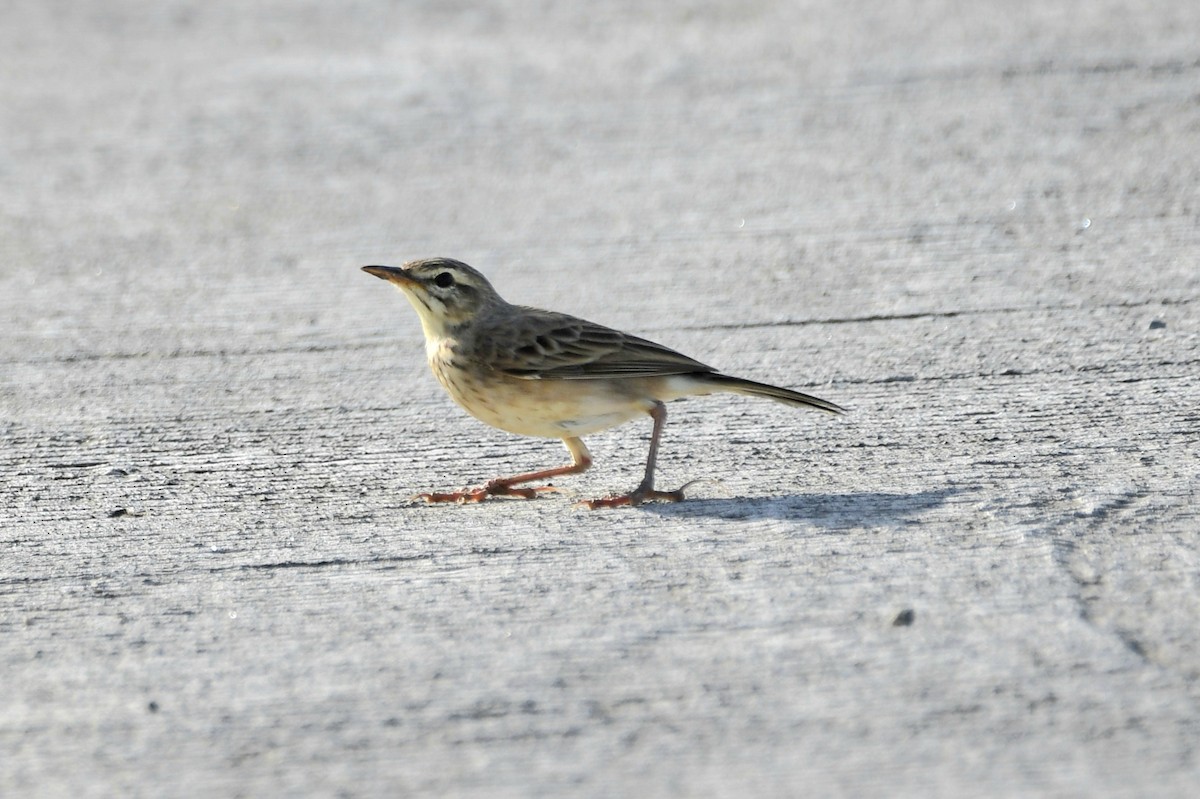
541, 373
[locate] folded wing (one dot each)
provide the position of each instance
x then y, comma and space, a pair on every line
540, 344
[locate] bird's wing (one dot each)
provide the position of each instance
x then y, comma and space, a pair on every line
539, 344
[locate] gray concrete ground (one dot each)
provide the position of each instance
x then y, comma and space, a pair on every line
977, 228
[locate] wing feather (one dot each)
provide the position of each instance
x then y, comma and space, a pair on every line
537, 344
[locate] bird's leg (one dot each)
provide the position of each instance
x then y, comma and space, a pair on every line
581, 459
645, 490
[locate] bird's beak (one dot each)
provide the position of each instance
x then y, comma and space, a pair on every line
392, 274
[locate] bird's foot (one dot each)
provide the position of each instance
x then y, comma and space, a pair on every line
634, 498
495, 488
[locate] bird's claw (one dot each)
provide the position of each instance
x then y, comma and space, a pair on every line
634, 498
493, 489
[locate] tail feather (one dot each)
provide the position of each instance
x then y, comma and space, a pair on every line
740, 385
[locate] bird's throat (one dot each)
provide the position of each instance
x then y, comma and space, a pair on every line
432, 324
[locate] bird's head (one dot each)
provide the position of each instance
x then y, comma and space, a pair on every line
446, 293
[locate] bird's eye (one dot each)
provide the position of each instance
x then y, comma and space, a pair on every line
444, 280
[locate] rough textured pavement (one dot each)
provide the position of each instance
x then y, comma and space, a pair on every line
979, 229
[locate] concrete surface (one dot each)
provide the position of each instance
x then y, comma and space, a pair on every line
975, 227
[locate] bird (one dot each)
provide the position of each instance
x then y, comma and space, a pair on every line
541, 373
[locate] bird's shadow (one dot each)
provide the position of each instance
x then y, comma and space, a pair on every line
853, 509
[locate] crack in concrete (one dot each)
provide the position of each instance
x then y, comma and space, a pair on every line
83, 357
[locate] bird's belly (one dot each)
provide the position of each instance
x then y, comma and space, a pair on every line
546, 408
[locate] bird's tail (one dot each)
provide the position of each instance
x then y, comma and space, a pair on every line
785, 395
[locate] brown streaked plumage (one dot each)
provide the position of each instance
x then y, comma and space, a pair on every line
541, 373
